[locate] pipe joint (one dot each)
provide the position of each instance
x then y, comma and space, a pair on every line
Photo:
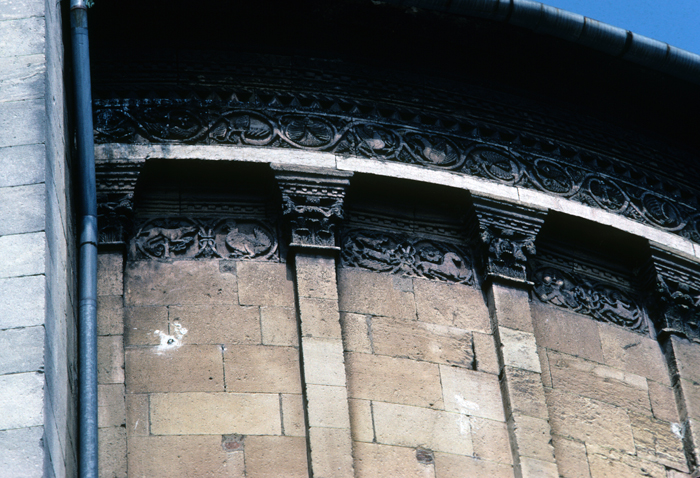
78, 4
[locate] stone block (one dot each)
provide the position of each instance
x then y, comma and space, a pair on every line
533, 438
331, 453
178, 283
361, 420
323, 361
454, 305
525, 393
663, 402
110, 359
572, 460
455, 466
534, 468
137, 414
23, 210
273, 457
315, 276
22, 349
589, 420
111, 406
218, 324
519, 349
110, 315
597, 381
293, 416
182, 457
23, 164
15, 9
22, 255
382, 461
202, 413
327, 406
23, 393
356, 336
279, 326
633, 353
687, 359
491, 441
422, 341
265, 283
658, 441
22, 453
511, 306
21, 78
388, 379
22, 37
473, 393
262, 368
190, 368
436, 430
364, 292
141, 324
111, 445
691, 397
16, 310
319, 318
546, 375
574, 334
605, 462
485, 353
110, 274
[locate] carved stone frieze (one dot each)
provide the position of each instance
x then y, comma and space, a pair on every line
173, 238
412, 256
508, 234
602, 302
114, 220
312, 204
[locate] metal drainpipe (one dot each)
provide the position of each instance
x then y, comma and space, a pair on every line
87, 266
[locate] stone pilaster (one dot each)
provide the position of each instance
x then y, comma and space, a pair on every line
312, 206
507, 234
676, 283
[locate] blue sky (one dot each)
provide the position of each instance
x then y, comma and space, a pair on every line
672, 21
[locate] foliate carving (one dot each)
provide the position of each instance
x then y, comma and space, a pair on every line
600, 301
312, 203
417, 257
114, 220
185, 238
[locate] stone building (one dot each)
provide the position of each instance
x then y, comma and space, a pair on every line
354, 239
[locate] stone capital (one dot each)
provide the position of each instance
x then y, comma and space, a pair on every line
312, 204
507, 233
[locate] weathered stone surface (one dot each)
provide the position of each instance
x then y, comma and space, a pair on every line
356, 337
389, 379
24, 209
279, 326
110, 315
455, 466
453, 305
567, 332
112, 452
413, 426
22, 36
525, 393
180, 282
533, 438
374, 293
633, 353
691, 397
421, 341
607, 463
589, 420
491, 441
110, 359
331, 452
485, 353
14, 9
381, 461
23, 393
137, 418
264, 283
319, 318
190, 368
111, 406
201, 413
22, 255
262, 368
141, 324
687, 359
21, 452
471, 393
572, 460
327, 406
15, 308
534, 468
361, 420
293, 416
218, 324
323, 361
658, 441
182, 457
110, 274
663, 402
22, 350
512, 307
316, 276
597, 381
546, 375
21, 78
21, 122
273, 457
519, 349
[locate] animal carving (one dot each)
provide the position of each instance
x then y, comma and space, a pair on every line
162, 241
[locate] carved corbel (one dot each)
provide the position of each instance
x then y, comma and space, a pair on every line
312, 204
116, 181
507, 233
114, 220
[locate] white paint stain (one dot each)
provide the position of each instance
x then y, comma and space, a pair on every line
136, 424
678, 430
466, 408
174, 341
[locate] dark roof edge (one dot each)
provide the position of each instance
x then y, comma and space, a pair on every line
576, 28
